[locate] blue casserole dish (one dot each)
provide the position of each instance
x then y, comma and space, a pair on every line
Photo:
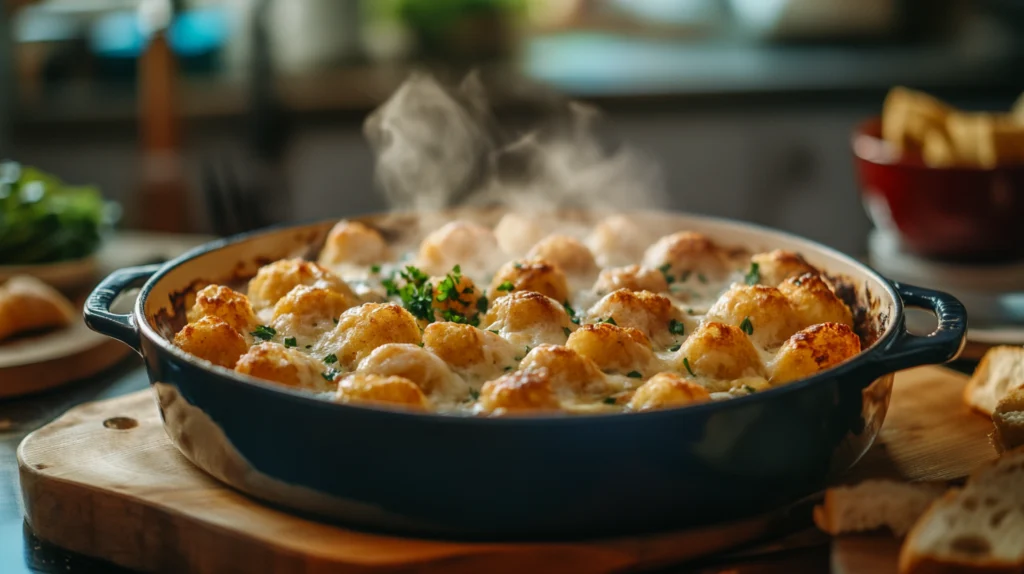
542, 477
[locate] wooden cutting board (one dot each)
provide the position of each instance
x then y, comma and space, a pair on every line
103, 480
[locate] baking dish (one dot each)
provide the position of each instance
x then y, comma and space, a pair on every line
539, 477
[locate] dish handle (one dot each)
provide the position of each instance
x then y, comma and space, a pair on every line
101, 319
940, 346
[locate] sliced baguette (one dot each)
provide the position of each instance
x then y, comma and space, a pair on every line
979, 528
1001, 371
875, 504
1008, 419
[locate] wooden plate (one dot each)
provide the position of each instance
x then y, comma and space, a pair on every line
42, 361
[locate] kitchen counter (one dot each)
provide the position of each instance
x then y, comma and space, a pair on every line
612, 70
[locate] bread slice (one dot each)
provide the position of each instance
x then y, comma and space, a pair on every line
1001, 371
875, 504
1008, 419
979, 528
28, 304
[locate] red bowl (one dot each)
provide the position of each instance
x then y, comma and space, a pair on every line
956, 214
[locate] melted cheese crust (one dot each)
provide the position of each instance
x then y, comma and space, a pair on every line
610, 324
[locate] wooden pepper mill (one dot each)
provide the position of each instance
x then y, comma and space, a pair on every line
163, 193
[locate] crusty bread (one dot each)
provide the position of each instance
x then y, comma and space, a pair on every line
979, 528
874, 504
28, 304
1001, 370
1008, 419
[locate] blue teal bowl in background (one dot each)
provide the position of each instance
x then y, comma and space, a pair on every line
543, 477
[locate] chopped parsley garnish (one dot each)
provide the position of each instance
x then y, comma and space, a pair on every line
567, 331
527, 349
264, 332
309, 346
390, 286
674, 348
417, 294
517, 265
510, 367
331, 359
610, 400
686, 363
467, 290
495, 331
702, 278
506, 286
374, 269
291, 342
329, 375
572, 313
335, 320
749, 389
420, 343
753, 277
474, 394
448, 288
609, 320
686, 275
670, 279
634, 375
689, 311
746, 326
676, 327
481, 304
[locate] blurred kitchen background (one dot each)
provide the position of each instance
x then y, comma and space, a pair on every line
183, 110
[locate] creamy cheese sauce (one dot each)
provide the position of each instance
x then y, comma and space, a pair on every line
605, 383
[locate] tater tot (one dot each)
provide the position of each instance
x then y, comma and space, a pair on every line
353, 242
529, 275
211, 338
618, 240
275, 280
719, 351
226, 304
362, 329
776, 266
762, 312
307, 312
651, 314
519, 391
287, 366
472, 246
518, 232
527, 318
614, 349
667, 390
567, 370
455, 297
812, 350
467, 349
411, 362
371, 389
567, 253
814, 301
632, 278
687, 252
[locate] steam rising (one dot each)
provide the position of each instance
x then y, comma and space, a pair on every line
438, 146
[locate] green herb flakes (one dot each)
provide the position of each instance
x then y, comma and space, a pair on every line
264, 332
610, 401
674, 348
686, 363
331, 359
753, 277
290, 342
634, 375
676, 327
746, 326
506, 286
